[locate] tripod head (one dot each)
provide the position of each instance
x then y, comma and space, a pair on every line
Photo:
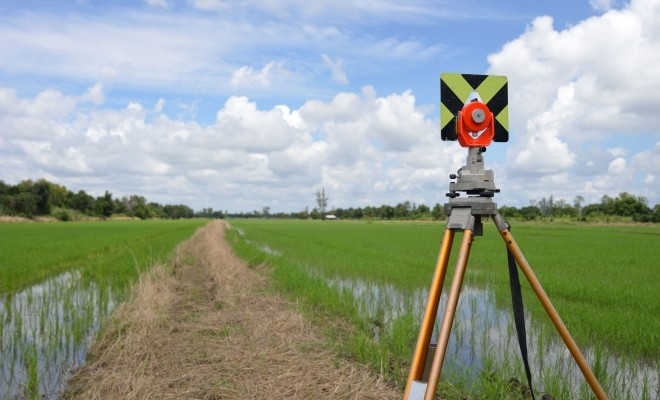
472, 178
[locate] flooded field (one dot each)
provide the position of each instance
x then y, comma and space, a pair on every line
377, 276
483, 338
58, 284
46, 331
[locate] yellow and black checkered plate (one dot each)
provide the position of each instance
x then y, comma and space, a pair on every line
456, 89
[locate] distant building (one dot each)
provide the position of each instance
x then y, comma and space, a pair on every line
331, 216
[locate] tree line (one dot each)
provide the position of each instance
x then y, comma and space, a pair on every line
31, 199
624, 207
43, 198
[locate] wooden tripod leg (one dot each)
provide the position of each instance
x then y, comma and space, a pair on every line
426, 330
549, 308
450, 312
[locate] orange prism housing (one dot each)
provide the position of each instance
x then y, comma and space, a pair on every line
475, 132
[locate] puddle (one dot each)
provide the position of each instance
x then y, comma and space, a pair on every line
484, 334
46, 331
268, 250
262, 247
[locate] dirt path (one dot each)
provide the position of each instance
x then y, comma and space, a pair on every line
210, 330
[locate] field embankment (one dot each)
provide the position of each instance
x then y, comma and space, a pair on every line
208, 327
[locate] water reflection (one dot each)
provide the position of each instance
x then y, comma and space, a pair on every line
483, 338
46, 331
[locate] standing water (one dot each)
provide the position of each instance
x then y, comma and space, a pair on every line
46, 331
483, 340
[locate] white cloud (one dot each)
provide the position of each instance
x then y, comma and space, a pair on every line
208, 4
241, 125
95, 94
45, 105
254, 45
613, 96
573, 90
648, 161
617, 151
649, 179
617, 166
337, 69
158, 3
247, 76
158, 107
541, 150
379, 149
363, 12
398, 123
602, 5
583, 99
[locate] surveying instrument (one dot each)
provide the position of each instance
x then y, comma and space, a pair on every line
474, 111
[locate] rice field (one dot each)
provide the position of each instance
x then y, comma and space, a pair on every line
602, 279
58, 284
367, 282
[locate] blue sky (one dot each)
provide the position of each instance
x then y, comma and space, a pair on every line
242, 105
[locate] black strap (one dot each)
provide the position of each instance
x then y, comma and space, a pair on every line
519, 316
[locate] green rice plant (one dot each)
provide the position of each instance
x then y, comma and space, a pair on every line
59, 282
33, 252
601, 279
604, 294
30, 361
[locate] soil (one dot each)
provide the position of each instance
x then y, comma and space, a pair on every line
208, 327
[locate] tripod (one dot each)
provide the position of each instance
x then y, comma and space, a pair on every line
465, 214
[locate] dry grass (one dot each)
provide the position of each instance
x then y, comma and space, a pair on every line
10, 219
210, 330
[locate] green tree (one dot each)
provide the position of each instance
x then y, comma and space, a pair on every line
629, 205
155, 210
607, 205
546, 206
577, 204
438, 211
655, 216
105, 205
57, 194
530, 213
422, 211
25, 204
82, 202
41, 192
5, 197
321, 201
509, 212
180, 211
133, 206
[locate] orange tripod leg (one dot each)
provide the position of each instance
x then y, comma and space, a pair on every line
426, 330
450, 312
549, 308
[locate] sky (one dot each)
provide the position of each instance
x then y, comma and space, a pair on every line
241, 105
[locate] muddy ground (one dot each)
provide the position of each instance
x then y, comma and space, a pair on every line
207, 327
